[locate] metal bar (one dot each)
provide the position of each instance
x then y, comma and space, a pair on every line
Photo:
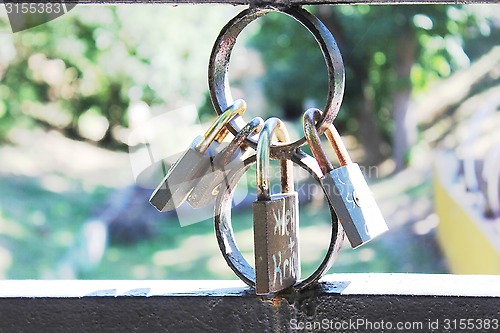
426, 302
344, 284
273, 2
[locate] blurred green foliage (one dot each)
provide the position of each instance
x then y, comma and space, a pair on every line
41, 229
371, 39
80, 73
32, 241
86, 68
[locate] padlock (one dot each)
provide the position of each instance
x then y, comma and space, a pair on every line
347, 189
187, 170
207, 188
275, 219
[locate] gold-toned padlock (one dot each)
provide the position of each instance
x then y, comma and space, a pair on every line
231, 157
189, 168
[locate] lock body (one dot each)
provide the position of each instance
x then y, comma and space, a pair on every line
229, 158
354, 204
215, 176
276, 247
183, 176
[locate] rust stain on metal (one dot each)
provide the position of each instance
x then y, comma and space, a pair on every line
276, 301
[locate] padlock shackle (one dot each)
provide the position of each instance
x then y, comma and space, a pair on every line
218, 130
338, 145
253, 126
272, 126
313, 139
311, 133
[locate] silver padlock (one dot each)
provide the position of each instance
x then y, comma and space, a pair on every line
275, 219
231, 157
188, 169
347, 189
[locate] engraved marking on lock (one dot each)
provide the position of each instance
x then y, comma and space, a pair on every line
346, 187
216, 190
349, 197
357, 199
364, 198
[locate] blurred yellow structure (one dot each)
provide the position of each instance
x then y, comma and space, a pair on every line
470, 242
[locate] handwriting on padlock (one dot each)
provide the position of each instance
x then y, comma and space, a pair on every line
282, 222
284, 263
275, 219
284, 267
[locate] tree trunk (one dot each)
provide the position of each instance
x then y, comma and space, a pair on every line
370, 134
405, 126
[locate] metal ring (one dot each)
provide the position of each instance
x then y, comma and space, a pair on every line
225, 235
218, 76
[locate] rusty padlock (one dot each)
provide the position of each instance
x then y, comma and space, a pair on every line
275, 219
347, 189
207, 188
187, 170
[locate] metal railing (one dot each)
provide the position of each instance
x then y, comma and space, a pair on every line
277, 2
341, 303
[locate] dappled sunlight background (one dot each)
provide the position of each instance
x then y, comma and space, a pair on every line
96, 105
